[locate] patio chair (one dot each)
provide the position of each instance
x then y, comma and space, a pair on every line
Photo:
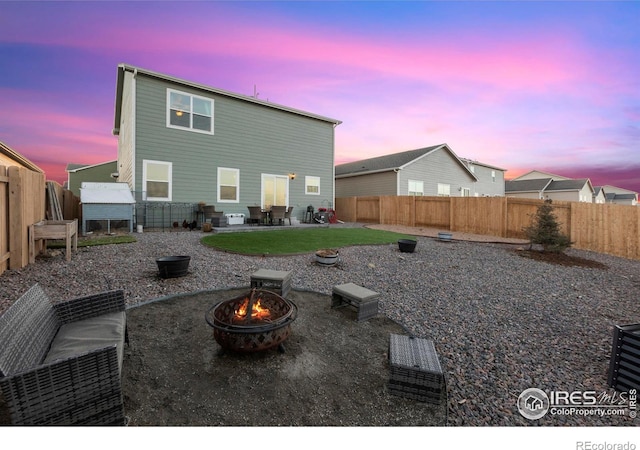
277, 213
256, 215
287, 214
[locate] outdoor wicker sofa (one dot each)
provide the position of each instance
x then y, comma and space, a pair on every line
60, 363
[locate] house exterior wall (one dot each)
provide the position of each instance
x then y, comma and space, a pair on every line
97, 173
252, 138
383, 183
126, 138
599, 198
434, 168
584, 195
487, 185
535, 195
567, 196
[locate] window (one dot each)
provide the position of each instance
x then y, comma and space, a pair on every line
444, 190
312, 185
156, 180
189, 111
416, 187
228, 185
493, 176
466, 192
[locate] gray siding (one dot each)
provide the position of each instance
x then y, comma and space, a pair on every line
252, 138
433, 168
383, 183
126, 136
486, 186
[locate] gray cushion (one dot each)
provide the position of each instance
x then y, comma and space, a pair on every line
89, 334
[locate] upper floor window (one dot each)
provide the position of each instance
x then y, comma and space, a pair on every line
188, 111
312, 185
156, 180
493, 176
228, 185
444, 190
416, 187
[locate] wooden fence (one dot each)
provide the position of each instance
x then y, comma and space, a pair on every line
22, 203
604, 228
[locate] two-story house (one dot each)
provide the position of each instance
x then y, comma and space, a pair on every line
431, 171
180, 141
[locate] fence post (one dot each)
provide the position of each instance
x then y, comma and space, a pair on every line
16, 218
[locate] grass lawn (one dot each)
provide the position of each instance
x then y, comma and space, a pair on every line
296, 241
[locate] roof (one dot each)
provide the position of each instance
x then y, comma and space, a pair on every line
122, 68
112, 193
535, 185
478, 163
394, 161
17, 157
547, 175
77, 167
568, 185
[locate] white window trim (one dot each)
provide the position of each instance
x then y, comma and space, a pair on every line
444, 185
307, 179
144, 180
237, 171
190, 128
417, 194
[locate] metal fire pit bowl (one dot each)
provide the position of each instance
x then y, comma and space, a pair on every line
252, 335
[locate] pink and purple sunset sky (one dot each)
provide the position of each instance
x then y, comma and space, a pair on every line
552, 86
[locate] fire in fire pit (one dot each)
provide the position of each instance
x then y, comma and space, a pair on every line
253, 322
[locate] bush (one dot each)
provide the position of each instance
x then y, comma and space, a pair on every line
545, 230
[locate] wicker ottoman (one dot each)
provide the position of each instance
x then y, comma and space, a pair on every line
363, 299
415, 370
278, 281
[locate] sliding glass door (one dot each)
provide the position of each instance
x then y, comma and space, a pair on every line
275, 190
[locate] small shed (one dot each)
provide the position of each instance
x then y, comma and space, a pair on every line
106, 201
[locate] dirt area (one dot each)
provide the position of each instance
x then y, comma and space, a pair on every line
333, 371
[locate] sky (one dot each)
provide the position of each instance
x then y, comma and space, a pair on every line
551, 86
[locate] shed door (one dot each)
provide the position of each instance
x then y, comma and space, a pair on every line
275, 190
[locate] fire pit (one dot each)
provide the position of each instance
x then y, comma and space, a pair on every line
253, 322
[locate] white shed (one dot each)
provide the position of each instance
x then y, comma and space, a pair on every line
106, 201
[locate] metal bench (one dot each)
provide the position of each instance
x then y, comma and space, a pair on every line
363, 299
60, 363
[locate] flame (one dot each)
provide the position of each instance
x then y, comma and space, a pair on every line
258, 312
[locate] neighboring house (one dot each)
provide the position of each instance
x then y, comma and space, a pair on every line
9, 157
543, 185
490, 178
180, 141
429, 171
537, 174
547, 188
599, 195
106, 172
620, 196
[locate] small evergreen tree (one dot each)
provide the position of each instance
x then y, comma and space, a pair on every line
545, 230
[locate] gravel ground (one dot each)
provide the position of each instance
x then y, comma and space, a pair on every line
501, 323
